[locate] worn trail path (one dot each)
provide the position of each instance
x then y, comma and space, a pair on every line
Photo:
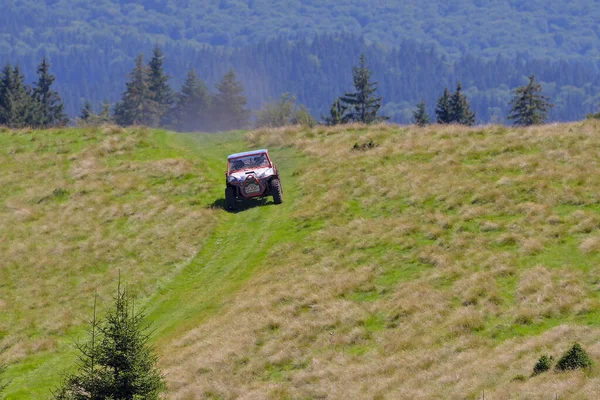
238, 247
196, 288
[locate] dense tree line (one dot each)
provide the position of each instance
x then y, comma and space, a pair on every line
318, 71
528, 107
23, 105
149, 100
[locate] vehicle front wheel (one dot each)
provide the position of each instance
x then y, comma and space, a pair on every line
276, 191
230, 203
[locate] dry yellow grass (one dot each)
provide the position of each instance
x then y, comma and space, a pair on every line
437, 265
77, 208
447, 260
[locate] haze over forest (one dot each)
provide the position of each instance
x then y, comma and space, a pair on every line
415, 49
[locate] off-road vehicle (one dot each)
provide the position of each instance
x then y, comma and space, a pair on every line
251, 174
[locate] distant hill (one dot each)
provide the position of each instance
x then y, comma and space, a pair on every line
541, 28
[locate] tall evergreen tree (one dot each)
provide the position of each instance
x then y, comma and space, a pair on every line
137, 106
7, 106
460, 110
362, 105
443, 111
529, 106
337, 113
192, 105
17, 107
420, 116
117, 363
50, 108
160, 91
230, 104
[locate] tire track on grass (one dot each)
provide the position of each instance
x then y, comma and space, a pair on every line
239, 245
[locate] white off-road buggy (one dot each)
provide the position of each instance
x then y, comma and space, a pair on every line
251, 174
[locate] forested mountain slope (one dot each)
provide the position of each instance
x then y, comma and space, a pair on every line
320, 71
557, 28
307, 48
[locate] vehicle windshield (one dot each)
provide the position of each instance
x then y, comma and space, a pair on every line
249, 162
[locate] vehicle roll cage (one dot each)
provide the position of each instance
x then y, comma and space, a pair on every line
237, 156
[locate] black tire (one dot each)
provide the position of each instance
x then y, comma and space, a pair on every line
276, 191
230, 203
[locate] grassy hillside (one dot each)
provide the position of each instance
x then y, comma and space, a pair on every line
436, 263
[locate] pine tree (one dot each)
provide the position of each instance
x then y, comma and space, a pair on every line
575, 358
160, 91
137, 106
337, 113
420, 116
125, 355
17, 108
7, 106
192, 105
529, 106
460, 110
230, 104
117, 362
86, 112
50, 108
362, 105
443, 111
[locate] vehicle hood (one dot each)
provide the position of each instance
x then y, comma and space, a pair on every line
257, 172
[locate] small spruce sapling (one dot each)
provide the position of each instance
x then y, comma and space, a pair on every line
544, 364
575, 358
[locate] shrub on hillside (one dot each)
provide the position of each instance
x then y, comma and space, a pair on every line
544, 364
575, 358
595, 115
302, 117
365, 146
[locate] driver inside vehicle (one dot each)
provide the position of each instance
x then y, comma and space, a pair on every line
237, 165
261, 161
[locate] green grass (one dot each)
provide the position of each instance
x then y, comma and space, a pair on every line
354, 275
